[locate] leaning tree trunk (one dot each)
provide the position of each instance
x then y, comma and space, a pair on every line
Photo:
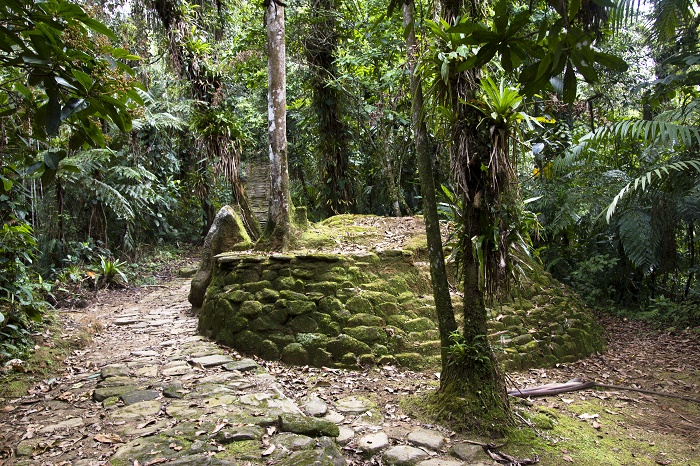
278, 225
438, 274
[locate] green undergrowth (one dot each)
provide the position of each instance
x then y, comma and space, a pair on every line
617, 436
40, 363
560, 433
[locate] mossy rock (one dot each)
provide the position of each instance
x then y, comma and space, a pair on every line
376, 285
348, 361
235, 323
343, 344
410, 360
358, 305
304, 273
303, 324
247, 342
296, 354
239, 296
334, 308
290, 295
429, 347
388, 309
419, 324
320, 357
269, 350
427, 335
281, 339
250, 309
326, 324
312, 340
265, 324
367, 334
269, 275
307, 425
326, 288
296, 308
287, 283
406, 297
267, 296
365, 320
367, 360
399, 319
387, 360
378, 297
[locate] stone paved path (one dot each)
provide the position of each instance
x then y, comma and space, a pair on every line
150, 391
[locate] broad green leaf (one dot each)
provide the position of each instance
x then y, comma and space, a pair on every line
97, 27
570, 86
611, 61
51, 160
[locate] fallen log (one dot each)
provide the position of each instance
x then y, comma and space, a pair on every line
579, 384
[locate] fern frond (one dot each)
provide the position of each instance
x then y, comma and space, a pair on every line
114, 200
636, 237
651, 132
660, 174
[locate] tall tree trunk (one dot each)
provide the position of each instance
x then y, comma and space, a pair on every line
472, 374
278, 224
438, 274
332, 150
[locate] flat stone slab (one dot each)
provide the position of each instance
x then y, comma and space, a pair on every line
140, 410
67, 424
373, 443
314, 406
334, 416
138, 396
147, 371
242, 366
114, 370
212, 361
441, 462
305, 425
144, 353
175, 368
426, 438
353, 405
173, 391
238, 434
346, 434
468, 452
404, 455
126, 320
102, 393
294, 442
116, 381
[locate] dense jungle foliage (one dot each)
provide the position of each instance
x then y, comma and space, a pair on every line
127, 125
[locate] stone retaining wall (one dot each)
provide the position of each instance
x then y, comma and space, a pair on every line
345, 310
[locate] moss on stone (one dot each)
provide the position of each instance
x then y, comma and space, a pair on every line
290, 295
239, 296
267, 295
367, 334
419, 324
247, 342
410, 360
326, 288
269, 350
358, 305
365, 320
303, 324
343, 344
295, 353
250, 309
295, 308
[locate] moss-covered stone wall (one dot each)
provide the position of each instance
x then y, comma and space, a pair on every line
350, 309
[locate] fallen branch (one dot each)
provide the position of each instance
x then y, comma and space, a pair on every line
578, 384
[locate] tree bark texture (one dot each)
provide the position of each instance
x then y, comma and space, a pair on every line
332, 150
278, 225
438, 274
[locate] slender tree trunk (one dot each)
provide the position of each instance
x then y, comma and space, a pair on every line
278, 225
471, 384
438, 274
332, 148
